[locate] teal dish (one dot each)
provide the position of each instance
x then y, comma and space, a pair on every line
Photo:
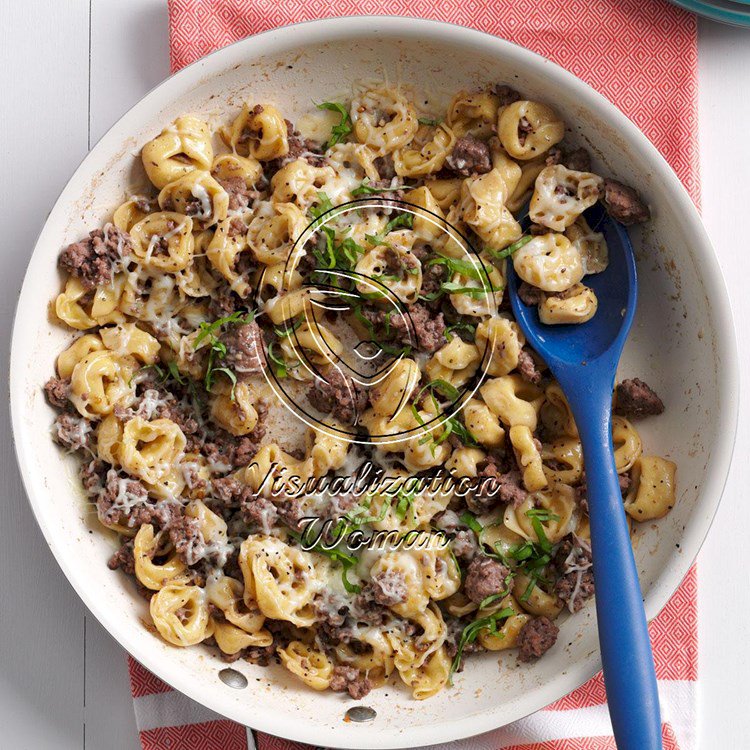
732, 12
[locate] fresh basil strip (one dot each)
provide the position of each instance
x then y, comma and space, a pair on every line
508, 251
342, 128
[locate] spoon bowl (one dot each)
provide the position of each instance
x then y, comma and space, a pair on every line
616, 289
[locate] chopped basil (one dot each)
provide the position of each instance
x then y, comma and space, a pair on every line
217, 349
532, 558
364, 320
387, 321
395, 351
455, 427
402, 220
354, 516
452, 287
528, 590
470, 520
209, 329
350, 250
469, 328
473, 629
326, 258
508, 251
404, 499
232, 378
336, 555
507, 582
352, 588
464, 268
542, 514
280, 370
490, 599
459, 570
457, 265
443, 387
342, 256
537, 515
342, 128
175, 372
428, 121
366, 189
451, 425
287, 330
323, 206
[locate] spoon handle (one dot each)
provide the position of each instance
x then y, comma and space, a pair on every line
627, 659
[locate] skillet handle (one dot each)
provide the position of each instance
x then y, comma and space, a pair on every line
623, 634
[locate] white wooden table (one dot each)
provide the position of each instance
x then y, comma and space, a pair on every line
68, 70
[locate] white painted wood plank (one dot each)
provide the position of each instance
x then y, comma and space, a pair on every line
724, 564
44, 126
110, 719
129, 56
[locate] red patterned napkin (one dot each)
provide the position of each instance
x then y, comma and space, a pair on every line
641, 54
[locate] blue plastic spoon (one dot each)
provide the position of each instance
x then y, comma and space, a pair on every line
583, 358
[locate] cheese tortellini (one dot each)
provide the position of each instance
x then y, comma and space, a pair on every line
549, 262
282, 580
562, 195
183, 146
527, 129
384, 119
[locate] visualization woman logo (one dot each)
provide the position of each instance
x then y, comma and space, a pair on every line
352, 306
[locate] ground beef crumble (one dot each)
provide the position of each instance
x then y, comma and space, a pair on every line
529, 295
185, 534
245, 349
624, 204
123, 559
299, 148
573, 564
57, 391
260, 511
339, 395
351, 680
423, 329
635, 399
95, 260
126, 490
506, 94
225, 302
536, 638
389, 588
232, 451
240, 196
433, 277
527, 368
469, 156
484, 578
504, 485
